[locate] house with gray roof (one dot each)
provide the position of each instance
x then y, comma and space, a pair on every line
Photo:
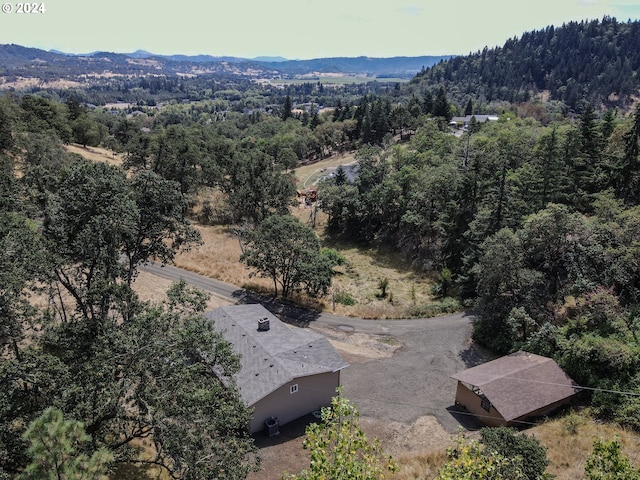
286, 371
514, 388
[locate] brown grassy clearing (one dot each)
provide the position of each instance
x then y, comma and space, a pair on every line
361, 277
308, 174
95, 154
22, 83
219, 255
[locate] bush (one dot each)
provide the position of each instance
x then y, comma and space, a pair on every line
334, 256
344, 298
443, 307
507, 443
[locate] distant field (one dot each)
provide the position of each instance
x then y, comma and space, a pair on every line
336, 80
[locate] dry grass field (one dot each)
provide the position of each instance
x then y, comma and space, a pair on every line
96, 154
219, 255
569, 440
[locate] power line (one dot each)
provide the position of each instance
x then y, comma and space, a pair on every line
432, 408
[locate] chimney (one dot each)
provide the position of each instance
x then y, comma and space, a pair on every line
263, 324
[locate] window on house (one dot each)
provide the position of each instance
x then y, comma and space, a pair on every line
485, 403
293, 388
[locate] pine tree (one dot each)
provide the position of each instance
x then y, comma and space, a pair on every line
427, 104
441, 107
340, 176
54, 446
468, 109
287, 108
630, 165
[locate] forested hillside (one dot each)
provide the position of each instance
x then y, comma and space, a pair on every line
597, 61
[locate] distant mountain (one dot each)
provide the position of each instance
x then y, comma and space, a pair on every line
16, 55
269, 59
598, 61
143, 54
16, 60
384, 67
197, 58
140, 54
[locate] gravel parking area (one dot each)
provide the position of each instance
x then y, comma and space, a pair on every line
414, 381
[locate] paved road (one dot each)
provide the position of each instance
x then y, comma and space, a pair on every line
412, 383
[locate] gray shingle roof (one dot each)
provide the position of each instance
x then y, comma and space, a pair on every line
520, 383
275, 357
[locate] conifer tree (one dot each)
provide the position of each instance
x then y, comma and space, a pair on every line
468, 109
441, 106
55, 448
287, 108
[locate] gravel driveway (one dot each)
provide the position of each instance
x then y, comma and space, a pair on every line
415, 381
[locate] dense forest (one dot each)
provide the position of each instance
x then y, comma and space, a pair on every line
532, 221
596, 61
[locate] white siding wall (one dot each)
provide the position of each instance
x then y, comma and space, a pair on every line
313, 392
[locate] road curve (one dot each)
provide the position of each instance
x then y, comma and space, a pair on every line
299, 315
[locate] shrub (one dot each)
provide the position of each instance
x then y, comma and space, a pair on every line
344, 298
443, 307
507, 443
382, 285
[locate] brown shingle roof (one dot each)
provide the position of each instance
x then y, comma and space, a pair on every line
520, 383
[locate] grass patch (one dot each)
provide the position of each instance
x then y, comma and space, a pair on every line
569, 441
95, 154
421, 466
307, 175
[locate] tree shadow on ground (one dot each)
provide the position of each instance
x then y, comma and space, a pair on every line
290, 431
287, 312
128, 471
472, 357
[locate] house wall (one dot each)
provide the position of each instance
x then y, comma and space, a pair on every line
313, 392
472, 402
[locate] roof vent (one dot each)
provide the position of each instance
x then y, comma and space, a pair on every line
263, 324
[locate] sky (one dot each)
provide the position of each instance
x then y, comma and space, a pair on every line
294, 29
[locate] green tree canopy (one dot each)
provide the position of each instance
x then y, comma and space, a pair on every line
608, 462
340, 450
508, 443
287, 251
470, 460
